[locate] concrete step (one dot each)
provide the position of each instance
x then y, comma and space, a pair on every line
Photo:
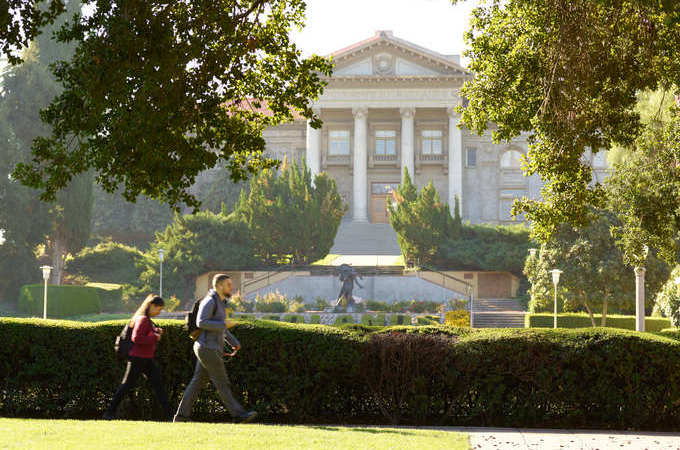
355, 238
499, 320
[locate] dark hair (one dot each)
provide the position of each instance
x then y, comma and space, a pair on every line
220, 277
151, 299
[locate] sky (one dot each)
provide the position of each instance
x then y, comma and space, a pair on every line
435, 24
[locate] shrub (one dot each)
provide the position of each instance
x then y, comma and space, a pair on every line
297, 306
575, 320
272, 317
667, 301
426, 376
399, 319
292, 318
271, 303
111, 296
373, 320
321, 303
374, 305
315, 318
62, 301
344, 319
458, 318
107, 262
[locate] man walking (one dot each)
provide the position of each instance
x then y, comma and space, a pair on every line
209, 349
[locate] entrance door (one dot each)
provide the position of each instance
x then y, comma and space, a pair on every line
381, 196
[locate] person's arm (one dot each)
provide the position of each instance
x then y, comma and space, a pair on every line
204, 319
143, 333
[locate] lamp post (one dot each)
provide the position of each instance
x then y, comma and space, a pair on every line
640, 293
472, 310
161, 253
46, 276
555, 279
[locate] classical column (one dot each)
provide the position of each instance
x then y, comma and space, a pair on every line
360, 178
407, 142
313, 152
455, 160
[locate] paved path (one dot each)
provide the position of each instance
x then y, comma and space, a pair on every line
367, 260
537, 439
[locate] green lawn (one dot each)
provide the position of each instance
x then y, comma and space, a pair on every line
326, 260
30, 433
100, 317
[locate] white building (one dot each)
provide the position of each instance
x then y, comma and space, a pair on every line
389, 105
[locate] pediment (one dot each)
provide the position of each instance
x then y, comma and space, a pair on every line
387, 56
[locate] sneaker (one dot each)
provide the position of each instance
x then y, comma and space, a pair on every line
179, 418
247, 416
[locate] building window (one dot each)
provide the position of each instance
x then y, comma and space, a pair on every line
471, 157
338, 142
385, 143
432, 142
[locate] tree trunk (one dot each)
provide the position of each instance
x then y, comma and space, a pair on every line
590, 311
58, 254
604, 312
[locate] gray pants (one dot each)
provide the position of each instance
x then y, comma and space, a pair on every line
209, 365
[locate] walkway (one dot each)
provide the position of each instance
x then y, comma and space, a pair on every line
365, 239
540, 439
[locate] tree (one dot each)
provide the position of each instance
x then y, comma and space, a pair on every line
158, 91
421, 221
595, 276
568, 73
64, 225
289, 218
195, 244
21, 21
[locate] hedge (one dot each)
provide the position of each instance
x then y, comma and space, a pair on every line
111, 296
373, 320
62, 301
580, 320
400, 319
293, 373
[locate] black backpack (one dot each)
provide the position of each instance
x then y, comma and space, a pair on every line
191, 326
124, 342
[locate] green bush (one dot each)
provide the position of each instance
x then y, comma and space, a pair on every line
292, 318
577, 320
430, 375
399, 319
343, 319
373, 320
107, 262
315, 318
111, 296
62, 301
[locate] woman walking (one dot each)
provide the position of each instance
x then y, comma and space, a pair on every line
145, 335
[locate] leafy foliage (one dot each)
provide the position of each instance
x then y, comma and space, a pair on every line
22, 21
62, 301
158, 91
568, 73
195, 244
667, 301
421, 221
595, 276
580, 320
317, 374
290, 218
107, 262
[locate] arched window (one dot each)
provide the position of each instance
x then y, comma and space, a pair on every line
512, 159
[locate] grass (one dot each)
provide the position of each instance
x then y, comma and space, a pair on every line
326, 261
33, 433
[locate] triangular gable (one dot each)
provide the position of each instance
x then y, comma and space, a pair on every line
385, 54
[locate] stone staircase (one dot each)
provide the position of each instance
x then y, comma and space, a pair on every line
498, 313
356, 238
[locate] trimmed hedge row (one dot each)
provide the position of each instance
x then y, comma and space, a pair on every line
576, 320
111, 296
62, 301
432, 375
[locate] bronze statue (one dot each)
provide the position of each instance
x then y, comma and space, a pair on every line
348, 276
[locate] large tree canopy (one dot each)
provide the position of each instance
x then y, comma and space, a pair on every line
159, 90
567, 72
21, 21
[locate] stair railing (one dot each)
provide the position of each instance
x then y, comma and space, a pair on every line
469, 290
